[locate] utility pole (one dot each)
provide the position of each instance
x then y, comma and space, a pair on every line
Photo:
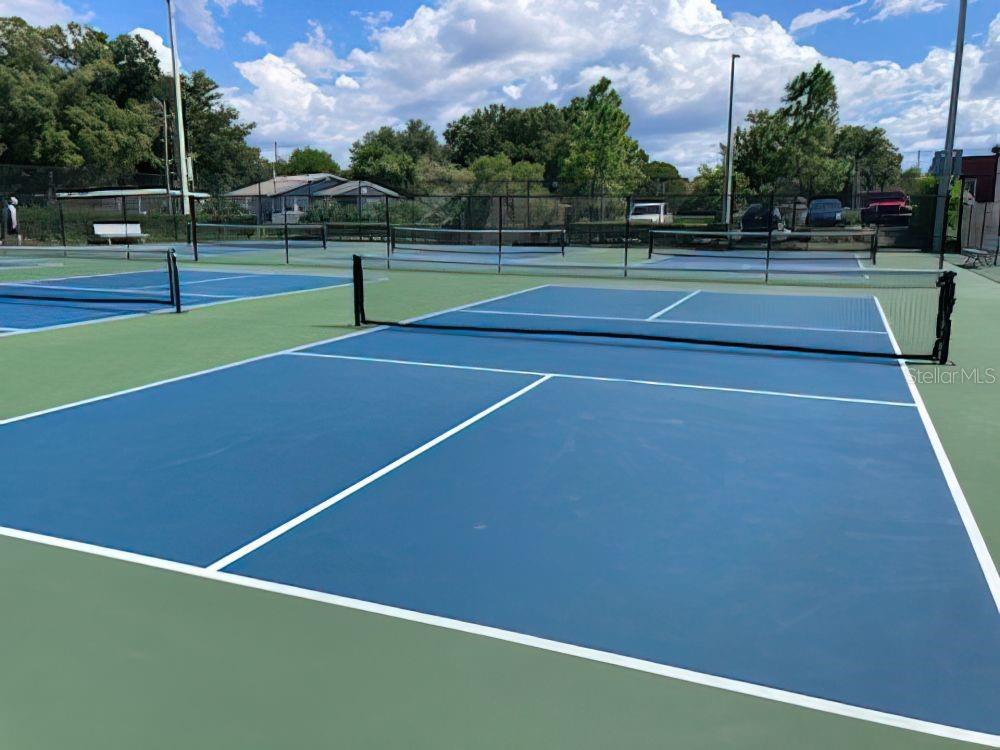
944, 179
182, 161
727, 199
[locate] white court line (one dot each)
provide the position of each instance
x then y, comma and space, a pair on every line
670, 322
601, 379
274, 533
989, 568
543, 644
670, 307
185, 282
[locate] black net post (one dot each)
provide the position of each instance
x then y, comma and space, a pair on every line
358, 283
628, 230
946, 304
62, 224
193, 209
284, 225
499, 234
128, 255
174, 280
388, 230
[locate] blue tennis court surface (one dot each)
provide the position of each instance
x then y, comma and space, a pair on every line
90, 294
765, 522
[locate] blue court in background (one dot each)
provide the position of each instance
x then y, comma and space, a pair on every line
778, 520
198, 288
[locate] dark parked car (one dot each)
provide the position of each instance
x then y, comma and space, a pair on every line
825, 212
755, 219
891, 208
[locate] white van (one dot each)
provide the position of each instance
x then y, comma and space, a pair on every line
650, 213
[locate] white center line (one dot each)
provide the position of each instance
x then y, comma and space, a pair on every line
670, 307
320, 507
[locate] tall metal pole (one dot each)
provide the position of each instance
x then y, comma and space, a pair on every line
944, 180
182, 165
727, 200
166, 154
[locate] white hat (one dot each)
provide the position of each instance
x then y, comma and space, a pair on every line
13, 201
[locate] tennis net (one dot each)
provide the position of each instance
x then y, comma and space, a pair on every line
138, 290
880, 314
835, 244
209, 236
478, 241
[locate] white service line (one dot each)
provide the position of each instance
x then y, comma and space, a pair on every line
989, 567
375, 476
671, 306
671, 322
544, 644
601, 379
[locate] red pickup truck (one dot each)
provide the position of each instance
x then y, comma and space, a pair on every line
889, 208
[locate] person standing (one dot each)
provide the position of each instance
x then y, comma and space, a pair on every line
10, 221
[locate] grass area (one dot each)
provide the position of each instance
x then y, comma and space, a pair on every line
103, 654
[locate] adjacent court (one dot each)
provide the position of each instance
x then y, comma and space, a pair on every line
71, 300
783, 525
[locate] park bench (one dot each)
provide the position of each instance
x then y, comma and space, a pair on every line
119, 231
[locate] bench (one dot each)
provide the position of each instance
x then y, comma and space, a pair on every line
976, 257
120, 231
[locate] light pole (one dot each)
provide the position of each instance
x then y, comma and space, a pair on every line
727, 199
166, 153
182, 167
944, 179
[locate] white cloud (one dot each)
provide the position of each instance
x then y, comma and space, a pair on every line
252, 37
198, 16
819, 15
159, 46
888, 8
456, 55
346, 82
373, 18
43, 12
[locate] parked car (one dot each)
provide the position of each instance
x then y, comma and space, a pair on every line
650, 213
825, 212
755, 219
890, 208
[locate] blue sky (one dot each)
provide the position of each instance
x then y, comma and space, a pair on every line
322, 72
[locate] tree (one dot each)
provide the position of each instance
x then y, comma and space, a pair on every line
872, 162
374, 160
810, 111
310, 160
663, 177
760, 151
216, 138
138, 69
601, 155
532, 134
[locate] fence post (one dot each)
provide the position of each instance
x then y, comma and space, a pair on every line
62, 225
500, 234
193, 209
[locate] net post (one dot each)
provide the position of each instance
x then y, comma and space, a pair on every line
499, 234
192, 207
284, 224
62, 226
128, 245
946, 304
628, 229
322, 231
875, 247
175, 280
562, 241
358, 284
388, 231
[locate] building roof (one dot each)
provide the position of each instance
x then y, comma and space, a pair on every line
283, 184
354, 188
